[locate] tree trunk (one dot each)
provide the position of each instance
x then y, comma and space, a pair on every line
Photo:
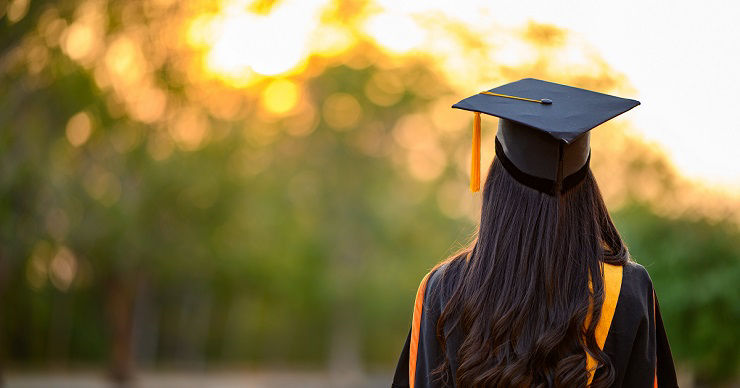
4, 269
345, 366
120, 318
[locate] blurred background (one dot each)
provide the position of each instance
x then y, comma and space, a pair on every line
247, 193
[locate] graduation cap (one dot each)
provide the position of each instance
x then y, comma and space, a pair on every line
543, 135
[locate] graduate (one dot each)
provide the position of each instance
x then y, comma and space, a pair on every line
547, 294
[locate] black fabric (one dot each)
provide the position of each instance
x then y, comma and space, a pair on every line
401, 377
573, 111
546, 186
632, 335
429, 353
540, 184
636, 344
537, 153
572, 180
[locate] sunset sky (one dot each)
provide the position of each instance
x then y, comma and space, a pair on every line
680, 60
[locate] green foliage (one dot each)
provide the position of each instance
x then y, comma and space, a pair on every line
695, 266
248, 250
219, 259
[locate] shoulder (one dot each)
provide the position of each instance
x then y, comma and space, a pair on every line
445, 274
635, 275
637, 287
436, 275
431, 284
439, 282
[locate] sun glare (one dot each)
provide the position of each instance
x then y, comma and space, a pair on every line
280, 96
396, 32
242, 44
468, 44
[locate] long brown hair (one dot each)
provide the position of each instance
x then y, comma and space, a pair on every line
518, 296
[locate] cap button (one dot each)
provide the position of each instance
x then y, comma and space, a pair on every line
546, 101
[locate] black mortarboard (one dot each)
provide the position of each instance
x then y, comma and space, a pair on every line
543, 136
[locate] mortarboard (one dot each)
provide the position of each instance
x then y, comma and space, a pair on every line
543, 135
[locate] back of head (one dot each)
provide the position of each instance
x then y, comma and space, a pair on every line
520, 299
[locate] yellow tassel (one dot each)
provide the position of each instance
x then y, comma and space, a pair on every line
475, 155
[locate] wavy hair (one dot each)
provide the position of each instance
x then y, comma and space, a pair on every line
519, 297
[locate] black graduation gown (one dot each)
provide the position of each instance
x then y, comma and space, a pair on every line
632, 334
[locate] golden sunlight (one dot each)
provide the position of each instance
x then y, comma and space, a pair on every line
280, 96
78, 129
242, 43
396, 32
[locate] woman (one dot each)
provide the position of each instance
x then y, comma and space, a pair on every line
547, 295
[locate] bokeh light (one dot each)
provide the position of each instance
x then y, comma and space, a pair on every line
258, 185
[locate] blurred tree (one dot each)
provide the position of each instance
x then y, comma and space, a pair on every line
149, 214
695, 268
98, 205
